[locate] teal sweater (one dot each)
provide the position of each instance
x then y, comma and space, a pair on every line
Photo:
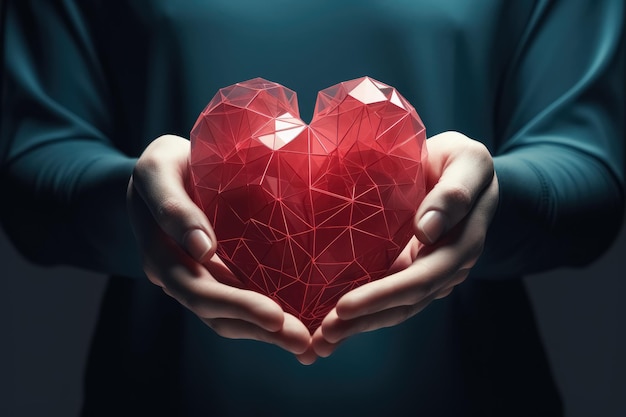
88, 84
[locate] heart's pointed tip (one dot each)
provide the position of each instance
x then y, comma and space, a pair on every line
313, 328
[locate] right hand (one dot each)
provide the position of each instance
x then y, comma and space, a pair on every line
178, 247
463, 195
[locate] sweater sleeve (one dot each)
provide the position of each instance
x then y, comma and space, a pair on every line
560, 154
62, 178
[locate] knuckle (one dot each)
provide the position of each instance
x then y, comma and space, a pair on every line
455, 136
151, 272
420, 292
361, 327
400, 315
192, 303
168, 292
432, 287
459, 195
470, 257
460, 277
152, 277
231, 330
146, 164
406, 313
475, 251
479, 151
444, 293
219, 327
169, 208
469, 146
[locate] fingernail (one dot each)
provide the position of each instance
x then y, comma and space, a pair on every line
432, 225
197, 244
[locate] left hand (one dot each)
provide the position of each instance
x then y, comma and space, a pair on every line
177, 244
450, 227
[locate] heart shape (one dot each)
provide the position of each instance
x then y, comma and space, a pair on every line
305, 213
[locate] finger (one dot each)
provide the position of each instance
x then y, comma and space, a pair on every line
435, 267
421, 280
211, 299
201, 293
320, 345
335, 329
308, 357
459, 169
292, 337
444, 293
404, 288
160, 177
458, 279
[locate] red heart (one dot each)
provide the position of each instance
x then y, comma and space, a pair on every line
303, 213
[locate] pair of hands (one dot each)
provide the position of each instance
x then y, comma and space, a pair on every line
178, 246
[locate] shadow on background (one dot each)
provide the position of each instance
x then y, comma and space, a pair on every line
582, 318
47, 316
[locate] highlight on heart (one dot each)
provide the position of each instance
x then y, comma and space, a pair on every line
305, 213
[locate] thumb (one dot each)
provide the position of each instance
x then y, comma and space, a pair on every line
160, 178
460, 169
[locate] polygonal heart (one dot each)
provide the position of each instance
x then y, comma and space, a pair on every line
304, 214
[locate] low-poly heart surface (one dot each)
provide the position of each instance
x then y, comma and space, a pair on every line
305, 213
